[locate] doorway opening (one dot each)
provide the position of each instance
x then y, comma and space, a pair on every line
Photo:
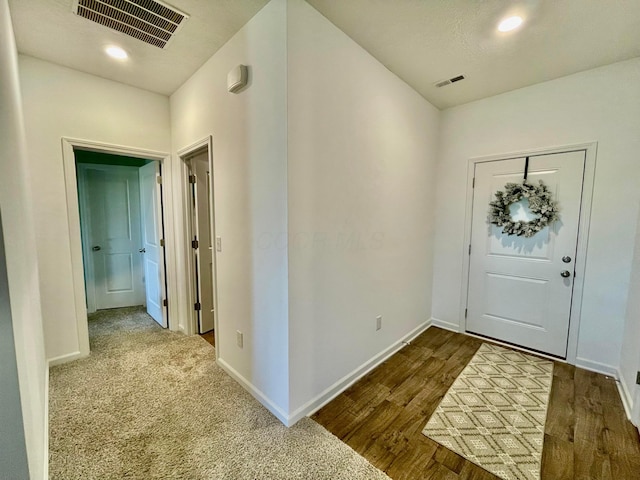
122, 232
200, 237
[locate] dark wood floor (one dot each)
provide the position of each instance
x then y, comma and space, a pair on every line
587, 434
209, 337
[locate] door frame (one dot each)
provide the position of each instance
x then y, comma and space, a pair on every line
75, 240
590, 150
184, 245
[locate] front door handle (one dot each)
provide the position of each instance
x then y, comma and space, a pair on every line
96, 248
565, 274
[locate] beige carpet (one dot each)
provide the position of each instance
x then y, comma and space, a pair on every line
494, 413
149, 403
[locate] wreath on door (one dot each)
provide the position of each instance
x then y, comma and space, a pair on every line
541, 203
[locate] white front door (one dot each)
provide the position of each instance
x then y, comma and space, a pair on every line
520, 289
203, 254
114, 231
152, 251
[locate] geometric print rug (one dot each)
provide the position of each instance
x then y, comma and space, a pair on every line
494, 413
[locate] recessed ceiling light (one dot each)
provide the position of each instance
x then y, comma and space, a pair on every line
116, 52
510, 23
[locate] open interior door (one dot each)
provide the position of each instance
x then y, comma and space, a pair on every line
152, 250
203, 246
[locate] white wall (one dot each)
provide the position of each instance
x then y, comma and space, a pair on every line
357, 170
361, 179
250, 193
324, 185
21, 265
60, 102
13, 449
630, 355
600, 105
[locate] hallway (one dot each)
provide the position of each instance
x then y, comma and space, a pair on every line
150, 403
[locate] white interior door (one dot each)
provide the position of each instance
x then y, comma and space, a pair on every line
114, 232
203, 254
152, 252
516, 291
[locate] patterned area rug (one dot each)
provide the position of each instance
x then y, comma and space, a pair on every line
494, 413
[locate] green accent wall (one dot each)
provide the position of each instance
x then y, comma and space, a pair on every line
85, 156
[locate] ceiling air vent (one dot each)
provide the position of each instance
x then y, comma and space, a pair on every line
449, 81
151, 21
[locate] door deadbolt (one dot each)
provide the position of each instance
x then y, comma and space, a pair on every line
565, 274
96, 248
566, 259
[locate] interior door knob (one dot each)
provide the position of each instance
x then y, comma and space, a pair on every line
565, 273
96, 248
142, 250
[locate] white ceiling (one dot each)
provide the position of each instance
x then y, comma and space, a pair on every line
424, 41
48, 29
421, 41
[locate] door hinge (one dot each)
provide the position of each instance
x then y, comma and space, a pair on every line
473, 182
465, 313
192, 179
159, 180
165, 303
162, 242
638, 378
194, 243
197, 307
469, 249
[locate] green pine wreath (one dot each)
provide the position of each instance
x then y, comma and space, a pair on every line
540, 203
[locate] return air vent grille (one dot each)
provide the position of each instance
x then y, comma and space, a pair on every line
152, 22
449, 81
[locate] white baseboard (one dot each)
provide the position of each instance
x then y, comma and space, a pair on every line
257, 393
454, 327
598, 367
590, 365
45, 460
345, 382
625, 396
69, 357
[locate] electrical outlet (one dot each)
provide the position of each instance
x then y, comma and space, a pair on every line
378, 322
239, 338
218, 244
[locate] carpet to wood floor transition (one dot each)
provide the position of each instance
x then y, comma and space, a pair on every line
152, 404
587, 435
